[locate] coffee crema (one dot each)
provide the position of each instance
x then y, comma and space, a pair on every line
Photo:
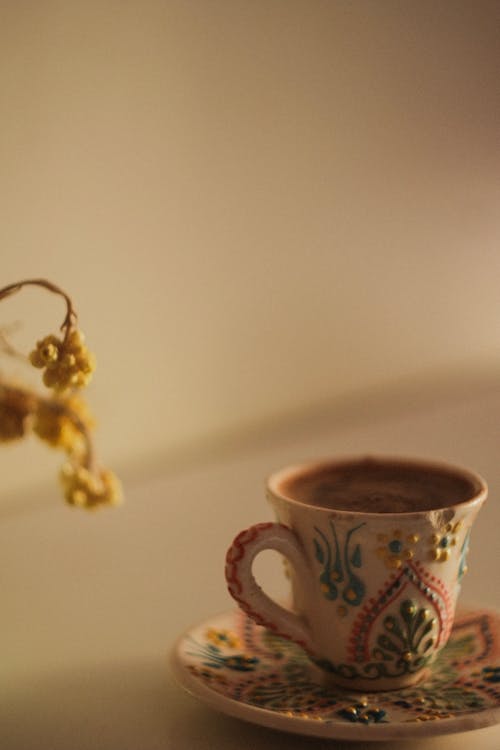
373, 486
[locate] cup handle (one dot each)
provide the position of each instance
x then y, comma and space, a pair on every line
244, 588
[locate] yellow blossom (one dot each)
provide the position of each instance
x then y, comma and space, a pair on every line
67, 363
85, 489
62, 422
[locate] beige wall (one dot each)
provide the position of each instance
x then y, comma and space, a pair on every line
257, 205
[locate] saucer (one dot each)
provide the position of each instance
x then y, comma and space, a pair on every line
243, 670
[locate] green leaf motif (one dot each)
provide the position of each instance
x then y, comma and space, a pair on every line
320, 556
336, 558
427, 645
356, 557
408, 633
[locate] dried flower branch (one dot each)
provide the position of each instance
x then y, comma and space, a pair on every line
60, 419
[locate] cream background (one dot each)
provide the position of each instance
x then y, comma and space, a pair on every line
259, 207
280, 225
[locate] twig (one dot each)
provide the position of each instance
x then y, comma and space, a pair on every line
71, 317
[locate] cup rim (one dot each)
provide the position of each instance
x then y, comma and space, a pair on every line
478, 483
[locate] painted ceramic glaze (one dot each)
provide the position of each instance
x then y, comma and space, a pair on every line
248, 671
373, 594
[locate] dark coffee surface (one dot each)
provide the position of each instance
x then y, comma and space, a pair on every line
373, 487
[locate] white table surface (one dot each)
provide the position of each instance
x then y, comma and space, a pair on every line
91, 604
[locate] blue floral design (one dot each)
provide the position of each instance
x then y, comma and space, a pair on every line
360, 713
491, 674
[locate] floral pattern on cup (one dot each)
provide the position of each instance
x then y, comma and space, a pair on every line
343, 598
338, 577
396, 548
401, 591
443, 541
408, 636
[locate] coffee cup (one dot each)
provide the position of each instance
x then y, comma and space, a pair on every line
376, 550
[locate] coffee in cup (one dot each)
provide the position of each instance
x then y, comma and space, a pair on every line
377, 549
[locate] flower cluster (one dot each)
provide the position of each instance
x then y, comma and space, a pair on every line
85, 489
67, 363
63, 423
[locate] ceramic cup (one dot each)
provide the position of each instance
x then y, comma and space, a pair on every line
376, 550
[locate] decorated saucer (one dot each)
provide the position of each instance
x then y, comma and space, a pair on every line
244, 670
